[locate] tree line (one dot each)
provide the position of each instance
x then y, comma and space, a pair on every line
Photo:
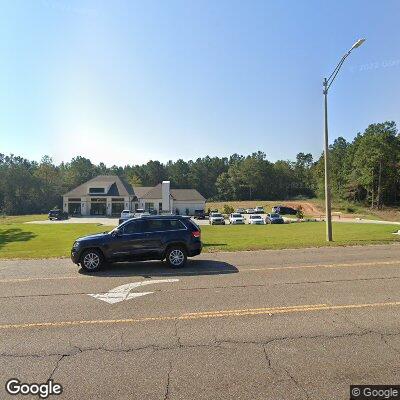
365, 170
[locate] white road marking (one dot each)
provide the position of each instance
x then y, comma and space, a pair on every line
122, 293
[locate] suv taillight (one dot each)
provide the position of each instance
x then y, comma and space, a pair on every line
196, 234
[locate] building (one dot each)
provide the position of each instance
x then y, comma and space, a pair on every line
110, 194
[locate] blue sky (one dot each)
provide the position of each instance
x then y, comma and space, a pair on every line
124, 82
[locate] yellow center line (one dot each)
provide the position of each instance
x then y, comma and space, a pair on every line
340, 265
202, 315
267, 309
215, 271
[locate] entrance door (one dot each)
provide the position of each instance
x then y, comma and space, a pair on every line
116, 208
98, 209
74, 208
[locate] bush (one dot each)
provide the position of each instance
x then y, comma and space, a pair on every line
227, 209
350, 210
299, 212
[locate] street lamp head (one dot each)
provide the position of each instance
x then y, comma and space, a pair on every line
357, 44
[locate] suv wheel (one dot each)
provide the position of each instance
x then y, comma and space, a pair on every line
176, 257
91, 260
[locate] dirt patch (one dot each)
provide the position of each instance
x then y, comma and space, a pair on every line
307, 207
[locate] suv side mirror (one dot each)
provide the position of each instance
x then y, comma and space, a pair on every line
117, 232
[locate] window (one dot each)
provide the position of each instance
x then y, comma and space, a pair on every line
96, 190
138, 226
149, 206
157, 225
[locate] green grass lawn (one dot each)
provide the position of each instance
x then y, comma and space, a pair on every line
19, 240
16, 219
42, 241
307, 234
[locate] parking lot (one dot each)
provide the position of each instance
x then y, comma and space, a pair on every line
287, 324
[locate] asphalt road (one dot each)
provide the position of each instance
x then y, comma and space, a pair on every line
288, 324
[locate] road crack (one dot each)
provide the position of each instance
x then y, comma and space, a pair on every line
297, 384
167, 386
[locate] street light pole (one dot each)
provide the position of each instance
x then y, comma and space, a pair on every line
327, 84
328, 209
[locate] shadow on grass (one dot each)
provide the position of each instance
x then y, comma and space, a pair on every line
148, 269
14, 235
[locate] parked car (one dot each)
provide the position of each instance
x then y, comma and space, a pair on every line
127, 214
284, 210
259, 210
140, 212
236, 218
216, 219
274, 218
58, 215
199, 214
256, 219
249, 210
240, 211
172, 237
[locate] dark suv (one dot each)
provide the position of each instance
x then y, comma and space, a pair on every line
57, 214
171, 237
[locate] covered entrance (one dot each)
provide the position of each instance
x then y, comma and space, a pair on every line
117, 205
98, 206
74, 208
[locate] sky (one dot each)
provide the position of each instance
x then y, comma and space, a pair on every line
124, 82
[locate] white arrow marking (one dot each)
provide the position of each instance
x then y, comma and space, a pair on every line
121, 293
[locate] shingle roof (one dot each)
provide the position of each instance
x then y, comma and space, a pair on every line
186, 195
141, 191
153, 193
176, 194
118, 187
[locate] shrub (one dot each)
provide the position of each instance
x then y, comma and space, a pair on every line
227, 209
299, 213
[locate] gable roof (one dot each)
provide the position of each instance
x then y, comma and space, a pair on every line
141, 191
186, 195
117, 187
153, 193
176, 194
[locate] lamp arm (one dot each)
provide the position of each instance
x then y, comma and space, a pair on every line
333, 75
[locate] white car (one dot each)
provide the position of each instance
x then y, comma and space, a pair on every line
236, 218
139, 212
259, 210
126, 214
216, 219
250, 211
256, 219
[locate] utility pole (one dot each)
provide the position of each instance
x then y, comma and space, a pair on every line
327, 84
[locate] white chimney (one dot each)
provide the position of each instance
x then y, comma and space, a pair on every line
165, 192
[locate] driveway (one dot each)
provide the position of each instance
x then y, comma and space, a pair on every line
114, 221
80, 220
288, 324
